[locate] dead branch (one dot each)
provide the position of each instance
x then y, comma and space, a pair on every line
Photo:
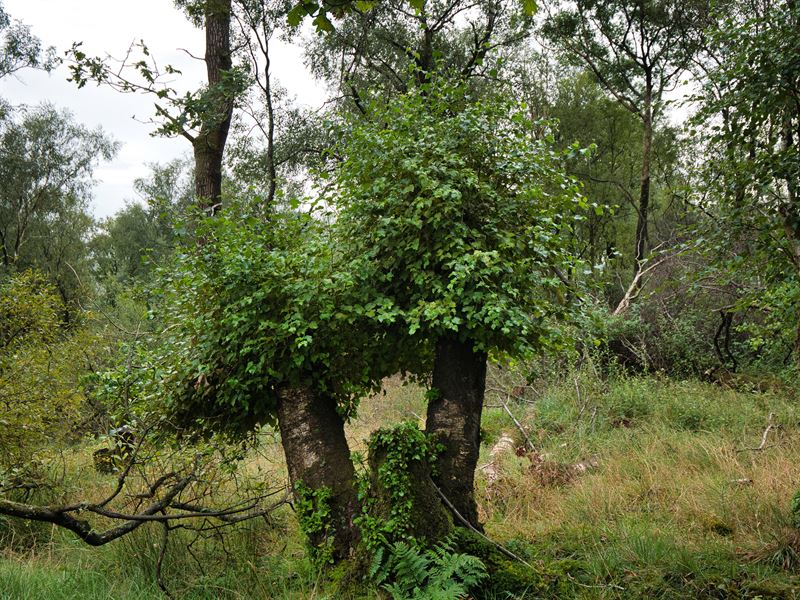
764, 436
637, 284
519, 426
165, 509
469, 526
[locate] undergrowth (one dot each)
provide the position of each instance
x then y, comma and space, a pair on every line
680, 499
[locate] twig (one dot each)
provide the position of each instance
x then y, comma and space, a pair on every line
763, 444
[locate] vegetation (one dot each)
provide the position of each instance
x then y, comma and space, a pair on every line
489, 324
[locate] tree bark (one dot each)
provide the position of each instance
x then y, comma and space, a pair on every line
209, 145
454, 418
317, 456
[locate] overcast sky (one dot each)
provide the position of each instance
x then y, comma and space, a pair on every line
109, 27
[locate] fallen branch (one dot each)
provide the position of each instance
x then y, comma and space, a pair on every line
503, 550
636, 285
765, 435
163, 510
519, 426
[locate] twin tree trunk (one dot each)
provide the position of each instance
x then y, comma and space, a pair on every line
454, 418
317, 456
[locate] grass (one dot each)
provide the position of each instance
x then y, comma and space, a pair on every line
676, 506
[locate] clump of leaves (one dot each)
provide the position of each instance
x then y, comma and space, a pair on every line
399, 501
463, 216
260, 307
314, 515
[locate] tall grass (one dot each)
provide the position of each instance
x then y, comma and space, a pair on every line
678, 505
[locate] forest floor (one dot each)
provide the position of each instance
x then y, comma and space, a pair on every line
625, 488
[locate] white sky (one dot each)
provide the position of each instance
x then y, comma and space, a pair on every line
109, 27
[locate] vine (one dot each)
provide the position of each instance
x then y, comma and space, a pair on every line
393, 452
313, 509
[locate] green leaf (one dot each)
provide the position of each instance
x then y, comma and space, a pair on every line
530, 7
322, 23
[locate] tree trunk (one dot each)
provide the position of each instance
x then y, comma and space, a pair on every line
454, 418
644, 190
318, 457
209, 145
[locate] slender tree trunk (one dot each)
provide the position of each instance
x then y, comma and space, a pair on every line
270, 124
644, 190
317, 456
209, 145
791, 211
454, 418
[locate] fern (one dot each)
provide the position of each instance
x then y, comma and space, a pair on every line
377, 569
436, 574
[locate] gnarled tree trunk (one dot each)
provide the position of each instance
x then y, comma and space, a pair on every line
318, 457
454, 418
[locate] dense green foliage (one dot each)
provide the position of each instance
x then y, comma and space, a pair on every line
41, 369
262, 306
439, 573
461, 211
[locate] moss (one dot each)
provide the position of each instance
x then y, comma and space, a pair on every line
509, 578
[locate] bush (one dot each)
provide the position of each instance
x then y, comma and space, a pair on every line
794, 510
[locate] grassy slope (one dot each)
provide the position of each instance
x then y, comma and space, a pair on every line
673, 508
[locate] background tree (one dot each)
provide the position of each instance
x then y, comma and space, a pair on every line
637, 52
394, 46
47, 160
20, 49
203, 117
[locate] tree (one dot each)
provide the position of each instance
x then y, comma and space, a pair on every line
20, 49
751, 113
394, 46
130, 245
203, 117
637, 51
46, 164
267, 325
464, 216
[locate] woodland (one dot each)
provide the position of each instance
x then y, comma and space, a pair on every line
514, 314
